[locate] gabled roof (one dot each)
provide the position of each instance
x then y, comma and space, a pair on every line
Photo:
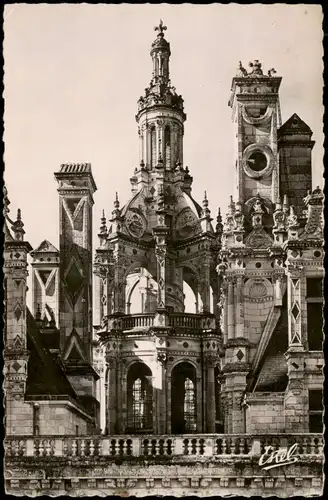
45, 247
295, 125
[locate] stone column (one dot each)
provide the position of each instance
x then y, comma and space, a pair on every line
172, 140
106, 387
235, 387
278, 289
210, 396
160, 251
294, 307
99, 293
168, 405
231, 312
296, 410
296, 395
19, 415
147, 159
120, 387
119, 288
112, 400
239, 307
181, 146
205, 286
162, 415
199, 404
224, 313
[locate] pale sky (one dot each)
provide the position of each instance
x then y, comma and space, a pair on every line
73, 74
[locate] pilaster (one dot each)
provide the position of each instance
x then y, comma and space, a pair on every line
18, 414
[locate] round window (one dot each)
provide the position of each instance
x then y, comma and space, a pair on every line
257, 161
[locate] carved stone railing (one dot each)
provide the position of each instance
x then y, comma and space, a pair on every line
183, 320
180, 320
207, 445
137, 321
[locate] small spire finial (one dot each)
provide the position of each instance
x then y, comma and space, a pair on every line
103, 227
160, 28
17, 227
219, 225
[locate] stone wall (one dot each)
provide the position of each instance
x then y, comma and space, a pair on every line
61, 420
265, 413
207, 477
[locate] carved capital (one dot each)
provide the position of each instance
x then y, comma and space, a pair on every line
162, 357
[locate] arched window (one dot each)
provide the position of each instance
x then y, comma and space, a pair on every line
153, 147
189, 405
140, 399
167, 142
183, 398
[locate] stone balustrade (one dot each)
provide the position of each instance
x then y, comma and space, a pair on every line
185, 320
194, 445
137, 321
180, 320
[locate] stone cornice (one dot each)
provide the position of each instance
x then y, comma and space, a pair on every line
236, 367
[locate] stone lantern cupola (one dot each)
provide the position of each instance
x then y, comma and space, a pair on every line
160, 112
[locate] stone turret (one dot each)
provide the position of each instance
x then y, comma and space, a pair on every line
159, 241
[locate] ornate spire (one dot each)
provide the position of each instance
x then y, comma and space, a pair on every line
219, 225
116, 212
160, 90
206, 211
103, 232
6, 202
17, 227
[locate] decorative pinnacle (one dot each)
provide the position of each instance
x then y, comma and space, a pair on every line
103, 227
17, 227
116, 202
205, 201
219, 225
206, 211
6, 201
160, 28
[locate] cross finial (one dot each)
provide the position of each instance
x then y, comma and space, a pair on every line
160, 28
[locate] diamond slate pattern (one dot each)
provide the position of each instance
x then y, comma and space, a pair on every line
16, 366
74, 281
240, 355
295, 310
18, 313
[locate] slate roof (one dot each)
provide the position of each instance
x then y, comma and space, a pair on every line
45, 375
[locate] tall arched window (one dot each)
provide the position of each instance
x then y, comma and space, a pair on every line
189, 406
153, 147
167, 142
140, 399
183, 398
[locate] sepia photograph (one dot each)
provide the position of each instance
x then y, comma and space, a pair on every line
163, 256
